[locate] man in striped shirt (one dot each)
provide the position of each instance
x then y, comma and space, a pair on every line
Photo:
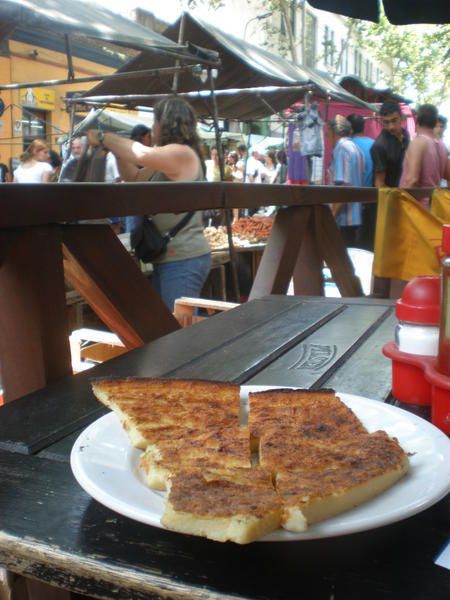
346, 168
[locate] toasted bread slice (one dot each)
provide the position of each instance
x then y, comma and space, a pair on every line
282, 450
145, 404
222, 448
239, 505
316, 414
345, 480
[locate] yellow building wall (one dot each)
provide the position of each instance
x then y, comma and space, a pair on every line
30, 63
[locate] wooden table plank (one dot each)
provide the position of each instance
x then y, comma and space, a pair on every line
69, 404
61, 449
310, 363
53, 531
369, 373
238, 360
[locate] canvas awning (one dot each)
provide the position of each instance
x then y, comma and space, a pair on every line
371, 94
85, 19
243, 67
122, 124
398, 12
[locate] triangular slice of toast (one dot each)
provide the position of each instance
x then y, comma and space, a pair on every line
146, 404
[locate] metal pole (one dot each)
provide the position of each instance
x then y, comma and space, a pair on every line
177, 64
127, 75
70, 69
228, 212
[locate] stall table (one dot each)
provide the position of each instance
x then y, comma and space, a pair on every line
53, 531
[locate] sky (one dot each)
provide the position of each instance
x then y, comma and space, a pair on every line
168, 10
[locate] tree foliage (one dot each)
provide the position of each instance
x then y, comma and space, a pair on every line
418, 57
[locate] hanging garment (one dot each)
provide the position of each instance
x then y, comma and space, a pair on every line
297, 165
310, 125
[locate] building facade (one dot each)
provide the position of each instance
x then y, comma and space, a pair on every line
41, 112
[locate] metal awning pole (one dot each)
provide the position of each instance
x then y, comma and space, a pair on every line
127, 75
203, 94
70, 69
177, 64
228, 211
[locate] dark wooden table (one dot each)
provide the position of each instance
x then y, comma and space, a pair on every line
50, 529
42, 246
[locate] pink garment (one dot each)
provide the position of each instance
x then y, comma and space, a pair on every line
433, 164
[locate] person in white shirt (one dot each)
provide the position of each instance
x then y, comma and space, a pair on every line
34, 164
254, 167
269, 172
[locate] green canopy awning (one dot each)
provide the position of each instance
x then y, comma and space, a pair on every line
85, 19
243, 66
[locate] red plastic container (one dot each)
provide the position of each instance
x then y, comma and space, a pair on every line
408, 377
416, 380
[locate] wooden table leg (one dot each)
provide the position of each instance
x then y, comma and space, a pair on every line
280, 256
308, 276
335, 254
103, 272
34, 342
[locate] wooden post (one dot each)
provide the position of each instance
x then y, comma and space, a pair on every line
280, 256
34, 343
308, 276
104, 273
335, 254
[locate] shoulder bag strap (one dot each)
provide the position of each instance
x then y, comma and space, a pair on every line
179, 226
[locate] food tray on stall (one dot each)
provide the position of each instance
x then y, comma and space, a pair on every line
248, 232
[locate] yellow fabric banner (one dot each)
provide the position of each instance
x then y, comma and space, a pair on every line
440, 205
408, 237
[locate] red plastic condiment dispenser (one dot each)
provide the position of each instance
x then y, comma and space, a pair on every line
443, 362
416, 341
440, 377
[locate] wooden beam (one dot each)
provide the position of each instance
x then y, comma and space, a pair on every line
68, 202
334, 252
308, 276
280, 256
34, 343
99, 267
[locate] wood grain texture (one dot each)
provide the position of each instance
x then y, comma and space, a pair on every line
311, 363
67, 202
250, 352
103, 272
368, 373
307, 274
34, 344
68, 405
334, 252
51, 530
280, 256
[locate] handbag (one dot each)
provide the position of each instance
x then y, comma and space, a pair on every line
149, 243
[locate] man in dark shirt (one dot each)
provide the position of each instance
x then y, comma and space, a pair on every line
390, 146
387, 154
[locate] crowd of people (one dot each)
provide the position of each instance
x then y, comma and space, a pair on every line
173, 151
391, 160
252, 166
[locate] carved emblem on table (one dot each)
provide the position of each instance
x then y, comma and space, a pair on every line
314, 357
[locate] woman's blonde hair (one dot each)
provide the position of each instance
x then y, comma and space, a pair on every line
33, 148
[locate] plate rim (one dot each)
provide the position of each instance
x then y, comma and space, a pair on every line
95, 490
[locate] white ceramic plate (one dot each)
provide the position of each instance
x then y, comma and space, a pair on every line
106, 466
